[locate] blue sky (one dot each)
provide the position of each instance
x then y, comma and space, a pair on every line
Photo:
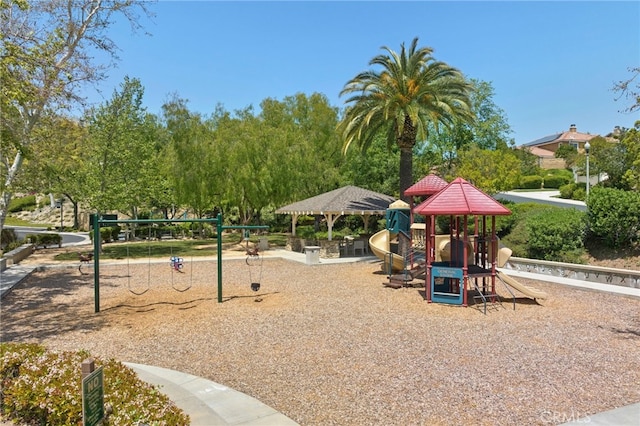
551, 64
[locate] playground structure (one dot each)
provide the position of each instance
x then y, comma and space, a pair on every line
450, 264
175, 262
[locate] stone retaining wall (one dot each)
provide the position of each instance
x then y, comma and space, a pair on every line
16, 255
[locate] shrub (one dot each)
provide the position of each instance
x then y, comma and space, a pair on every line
517, 240
12, 246
566, 191
44, 240
556, 234
108, 233
573, 191
306, 232
505, 224
523, 210
556, 181
531, 182
579, 194
44, 387
614, 216
105, 234
7, 236
22, 203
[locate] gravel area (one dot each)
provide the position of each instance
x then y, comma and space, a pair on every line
330, 345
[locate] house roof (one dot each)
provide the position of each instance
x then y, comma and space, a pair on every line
543, 140
346, 200
428, 185
461, 198
575, 136
568, 136
541, 152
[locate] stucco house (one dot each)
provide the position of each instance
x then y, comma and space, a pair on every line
545, 148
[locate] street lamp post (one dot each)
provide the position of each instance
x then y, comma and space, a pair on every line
587, 147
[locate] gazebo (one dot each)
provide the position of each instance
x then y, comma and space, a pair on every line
348, 200
462, 256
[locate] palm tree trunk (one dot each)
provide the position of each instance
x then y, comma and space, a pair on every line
406, 171
406, 142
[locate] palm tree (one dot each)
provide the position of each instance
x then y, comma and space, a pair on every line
412, 95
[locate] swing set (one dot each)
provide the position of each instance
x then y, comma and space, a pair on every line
254, 262
176, 262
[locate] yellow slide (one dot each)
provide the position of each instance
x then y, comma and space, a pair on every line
527, 291
381, 247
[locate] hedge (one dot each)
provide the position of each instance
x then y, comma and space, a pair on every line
557, 235
614, 216
531, 182
45, 240
556, 181
22, 203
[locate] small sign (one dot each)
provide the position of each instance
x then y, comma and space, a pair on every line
93, 398
447, 272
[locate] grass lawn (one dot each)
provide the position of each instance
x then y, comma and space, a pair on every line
183, 248
14, 221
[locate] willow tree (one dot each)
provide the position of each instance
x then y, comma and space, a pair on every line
410, 94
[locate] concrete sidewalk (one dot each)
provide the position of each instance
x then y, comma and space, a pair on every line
208, 403
623, 416
551, 197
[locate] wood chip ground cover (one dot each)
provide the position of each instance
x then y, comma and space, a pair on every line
330, 345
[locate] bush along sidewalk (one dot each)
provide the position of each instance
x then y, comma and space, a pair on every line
39, 386
44, 240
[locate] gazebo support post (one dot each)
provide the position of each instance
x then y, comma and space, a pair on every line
294, 221
331, 219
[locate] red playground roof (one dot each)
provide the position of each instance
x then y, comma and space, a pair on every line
428, 185
461, 198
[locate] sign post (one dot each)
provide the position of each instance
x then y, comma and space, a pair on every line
92, 393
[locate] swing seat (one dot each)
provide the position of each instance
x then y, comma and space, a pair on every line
255, 286
176, 262
84, 259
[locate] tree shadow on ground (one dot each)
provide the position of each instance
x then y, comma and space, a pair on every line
49, 303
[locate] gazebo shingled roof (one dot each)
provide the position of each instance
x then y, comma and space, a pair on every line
461, 198
348, 200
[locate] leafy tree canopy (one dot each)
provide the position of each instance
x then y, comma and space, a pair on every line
46, 56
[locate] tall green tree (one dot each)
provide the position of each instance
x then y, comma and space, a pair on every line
287, 152
411, 94
55, 160
121, 150
199, 167
375, 170
568, 153
47, 54
631, 142
311, 142
490, 129
492, 171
